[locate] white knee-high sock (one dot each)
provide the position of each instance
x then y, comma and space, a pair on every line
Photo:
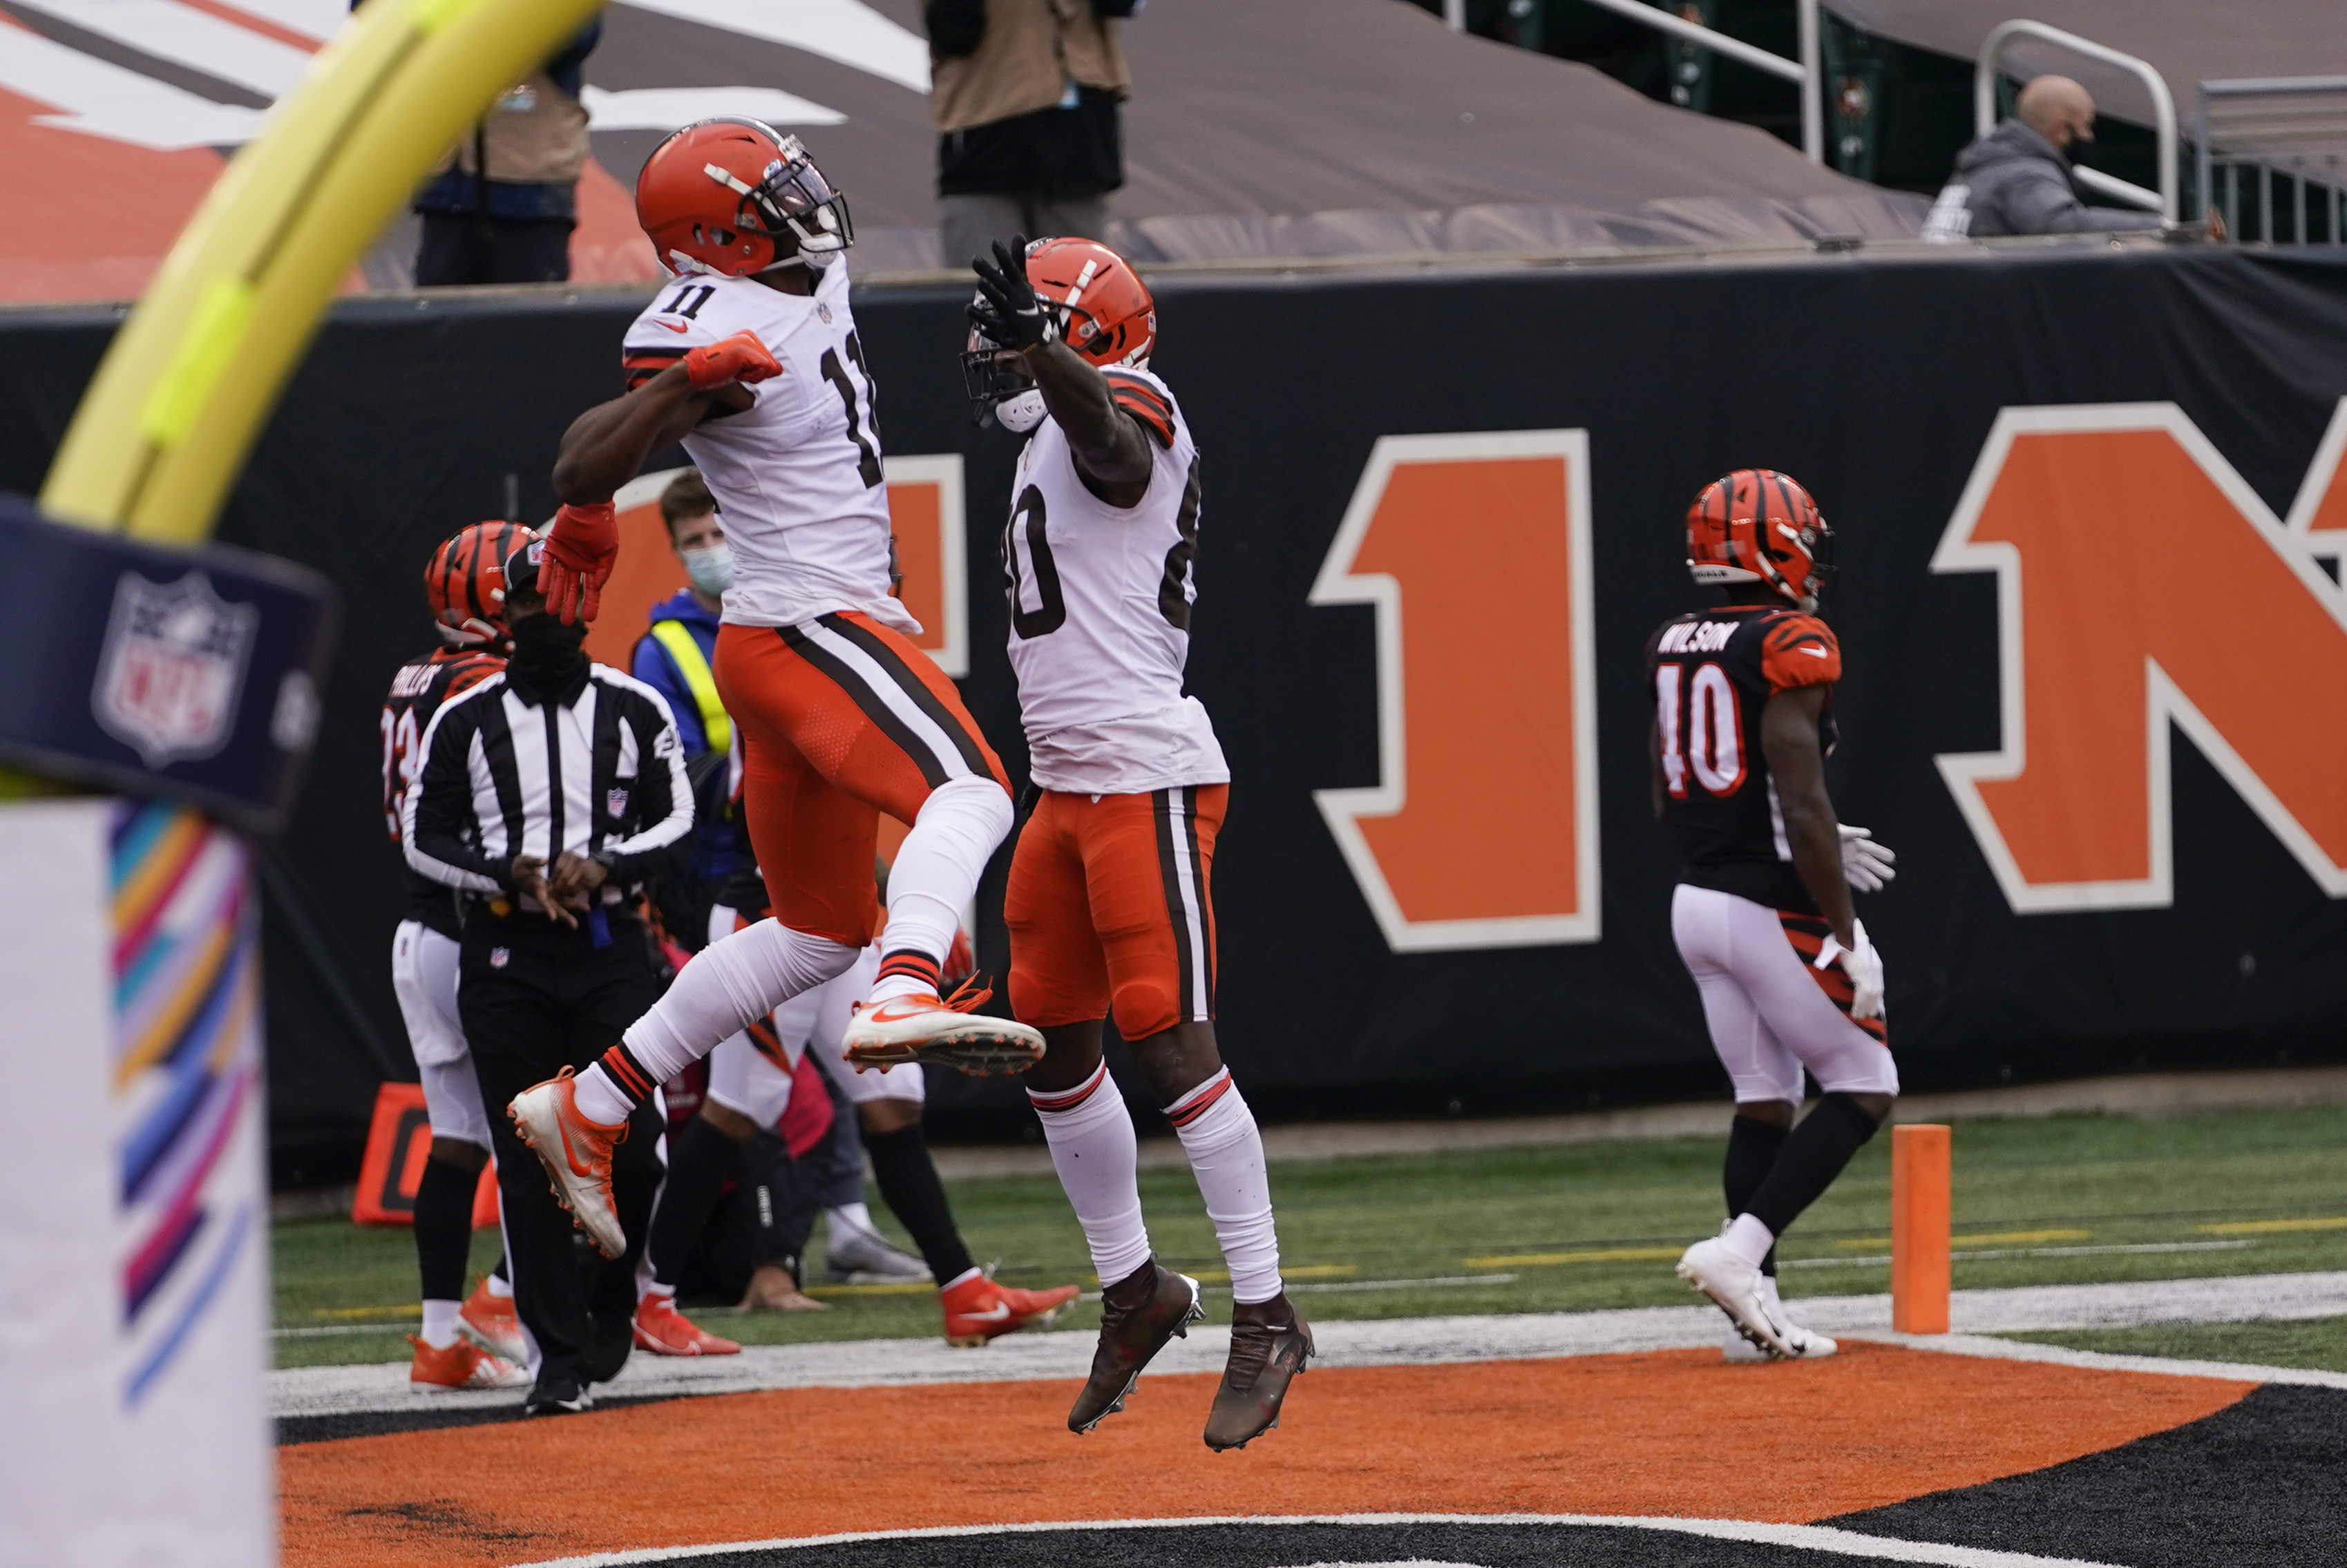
727, 985
1092, 1148
934, 876
1218, 1133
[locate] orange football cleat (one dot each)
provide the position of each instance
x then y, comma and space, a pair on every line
489, 1321
979, 1310
463, 1364
576, 1154
661, 1329
924, 1026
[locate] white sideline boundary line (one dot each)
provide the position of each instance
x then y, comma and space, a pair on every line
1408, 1341
1809, 1537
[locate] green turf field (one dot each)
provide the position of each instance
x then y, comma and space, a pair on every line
2319, 1342
2066, 1200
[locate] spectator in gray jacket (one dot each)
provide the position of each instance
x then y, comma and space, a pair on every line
2017, 178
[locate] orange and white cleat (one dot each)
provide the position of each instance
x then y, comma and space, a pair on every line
490, 1322
576, 1154
979, 1310
924, 1026
661, 1329
463, 1364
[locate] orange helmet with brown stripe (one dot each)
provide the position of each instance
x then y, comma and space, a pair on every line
465, 583
1757, 524
1106, 312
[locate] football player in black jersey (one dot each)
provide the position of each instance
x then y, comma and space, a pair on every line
477, 1344
1742, 701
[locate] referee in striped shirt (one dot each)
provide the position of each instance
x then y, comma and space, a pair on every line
548, 794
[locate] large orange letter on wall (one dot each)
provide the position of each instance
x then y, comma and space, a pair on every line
1481, 830
2141, 582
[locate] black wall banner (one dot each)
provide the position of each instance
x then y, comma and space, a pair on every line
2085, 501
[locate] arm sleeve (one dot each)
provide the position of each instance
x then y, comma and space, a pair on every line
2040, 202
1145, 403
440, 808
1799, 651
663, 800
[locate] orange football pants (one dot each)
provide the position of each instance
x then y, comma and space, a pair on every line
1112, 910
841, 719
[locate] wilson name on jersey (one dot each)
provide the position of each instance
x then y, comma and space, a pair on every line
1710, 673
1099, 601
416, 694
797, 474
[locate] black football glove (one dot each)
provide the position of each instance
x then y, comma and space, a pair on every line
1007, 311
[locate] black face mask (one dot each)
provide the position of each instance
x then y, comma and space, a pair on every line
549, 661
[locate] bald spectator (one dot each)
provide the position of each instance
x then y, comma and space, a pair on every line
2017, 178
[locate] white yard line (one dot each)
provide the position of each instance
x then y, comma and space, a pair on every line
1407, 1341
1808, 1537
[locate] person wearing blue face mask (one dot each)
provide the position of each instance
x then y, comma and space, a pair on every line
675, 658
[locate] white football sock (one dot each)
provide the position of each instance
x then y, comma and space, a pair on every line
728, 984
935, 874
1093, 1149
1218, 1133
852, 1217
500, 1287
1747, 1240
440, 1323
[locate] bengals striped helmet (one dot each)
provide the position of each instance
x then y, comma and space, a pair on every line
465, 583
1757, 524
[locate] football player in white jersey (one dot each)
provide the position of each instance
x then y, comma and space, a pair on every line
750, 358
1110, 902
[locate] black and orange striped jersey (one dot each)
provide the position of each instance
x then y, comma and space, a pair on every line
416, 694
1710, 673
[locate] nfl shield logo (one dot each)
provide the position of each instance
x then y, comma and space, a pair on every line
616, 803
172, 666
500, 956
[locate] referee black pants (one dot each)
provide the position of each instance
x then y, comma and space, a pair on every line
536, 998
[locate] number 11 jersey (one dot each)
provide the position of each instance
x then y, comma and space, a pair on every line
1099, 601
796, 475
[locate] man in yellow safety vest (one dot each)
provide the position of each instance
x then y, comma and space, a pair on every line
673, 658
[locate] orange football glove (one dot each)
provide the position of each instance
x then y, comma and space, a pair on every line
581, 546
740, 358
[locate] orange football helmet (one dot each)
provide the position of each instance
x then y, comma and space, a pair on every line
465, 583
736, 196
1757, 524
1101, 309
1106, 312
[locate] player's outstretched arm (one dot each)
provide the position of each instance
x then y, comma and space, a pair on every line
1108, 445
1797, 761
606, 445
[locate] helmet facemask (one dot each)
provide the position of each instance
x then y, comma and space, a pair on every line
794, 203
1001, 391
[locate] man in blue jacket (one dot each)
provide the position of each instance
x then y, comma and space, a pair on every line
675, 658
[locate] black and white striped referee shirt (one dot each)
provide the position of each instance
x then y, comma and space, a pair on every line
603, 777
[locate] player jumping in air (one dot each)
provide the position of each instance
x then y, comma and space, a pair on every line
751, 359
1110, 904
475, 1344
1743, 722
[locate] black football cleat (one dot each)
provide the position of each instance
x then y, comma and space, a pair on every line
1129, 1338
1270, 1343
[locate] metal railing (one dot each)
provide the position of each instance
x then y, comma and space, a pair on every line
2252, 125
1803, 73
2164, 201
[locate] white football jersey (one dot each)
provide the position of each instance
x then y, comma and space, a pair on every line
797, 475
1099, 601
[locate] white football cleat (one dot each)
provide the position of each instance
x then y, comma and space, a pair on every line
924, 1027
576, 1154
1808, 1345
1734, 1286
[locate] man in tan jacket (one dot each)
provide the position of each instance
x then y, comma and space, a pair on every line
502, 205
1025, 94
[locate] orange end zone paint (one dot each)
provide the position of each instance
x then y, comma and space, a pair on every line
1678, 1433
1921, 1189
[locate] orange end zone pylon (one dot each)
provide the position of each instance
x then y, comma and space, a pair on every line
1919, 1188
